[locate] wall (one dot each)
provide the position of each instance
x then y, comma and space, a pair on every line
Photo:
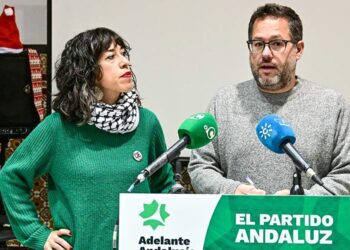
185, 50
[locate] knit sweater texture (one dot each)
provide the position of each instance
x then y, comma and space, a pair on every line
319, 117
87, 169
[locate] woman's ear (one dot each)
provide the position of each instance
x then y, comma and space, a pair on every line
98, 93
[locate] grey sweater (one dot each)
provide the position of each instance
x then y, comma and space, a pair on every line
319, 117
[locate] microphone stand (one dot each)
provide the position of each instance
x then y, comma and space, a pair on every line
297, 189
302, 165
178, 188
115, 234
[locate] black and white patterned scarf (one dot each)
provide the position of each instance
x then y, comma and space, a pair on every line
122, 117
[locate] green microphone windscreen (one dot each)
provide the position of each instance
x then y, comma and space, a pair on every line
201, 128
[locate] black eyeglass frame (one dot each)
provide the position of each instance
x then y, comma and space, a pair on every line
250, 42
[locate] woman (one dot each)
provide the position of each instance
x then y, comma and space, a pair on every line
92, 149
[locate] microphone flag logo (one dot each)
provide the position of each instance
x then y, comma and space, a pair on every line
265, 131
210, 131
280, 121
272, 131
198, 116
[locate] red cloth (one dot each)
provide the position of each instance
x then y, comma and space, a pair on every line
37, 81
9, 34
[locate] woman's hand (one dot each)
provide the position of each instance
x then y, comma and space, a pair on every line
54, 241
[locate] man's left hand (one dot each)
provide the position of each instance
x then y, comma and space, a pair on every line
283, 192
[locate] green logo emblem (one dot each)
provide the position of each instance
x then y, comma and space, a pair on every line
154, 214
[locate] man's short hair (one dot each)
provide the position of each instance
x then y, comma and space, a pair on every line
279, 11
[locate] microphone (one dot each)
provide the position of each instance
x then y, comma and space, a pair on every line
279, 137
195, 132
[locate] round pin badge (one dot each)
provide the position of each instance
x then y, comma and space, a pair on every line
137, 156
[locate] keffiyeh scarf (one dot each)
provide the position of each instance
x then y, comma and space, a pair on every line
122, 117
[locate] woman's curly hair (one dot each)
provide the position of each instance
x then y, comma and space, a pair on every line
78, 71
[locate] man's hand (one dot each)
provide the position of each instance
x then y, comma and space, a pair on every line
249, 189
283, 192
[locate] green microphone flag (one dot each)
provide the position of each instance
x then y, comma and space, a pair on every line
201, 128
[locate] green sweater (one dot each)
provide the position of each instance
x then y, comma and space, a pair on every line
87, 169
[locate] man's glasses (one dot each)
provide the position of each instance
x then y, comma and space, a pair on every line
258, 46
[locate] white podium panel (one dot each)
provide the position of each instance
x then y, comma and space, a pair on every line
149, 221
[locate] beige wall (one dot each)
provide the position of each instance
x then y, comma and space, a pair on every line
185, 50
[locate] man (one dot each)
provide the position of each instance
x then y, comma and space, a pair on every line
319, 117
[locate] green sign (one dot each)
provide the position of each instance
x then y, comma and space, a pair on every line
275, 222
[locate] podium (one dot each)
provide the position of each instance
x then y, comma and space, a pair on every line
198, 221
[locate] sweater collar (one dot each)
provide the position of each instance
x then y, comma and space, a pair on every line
281, 98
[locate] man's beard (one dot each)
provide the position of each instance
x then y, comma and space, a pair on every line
279, 81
